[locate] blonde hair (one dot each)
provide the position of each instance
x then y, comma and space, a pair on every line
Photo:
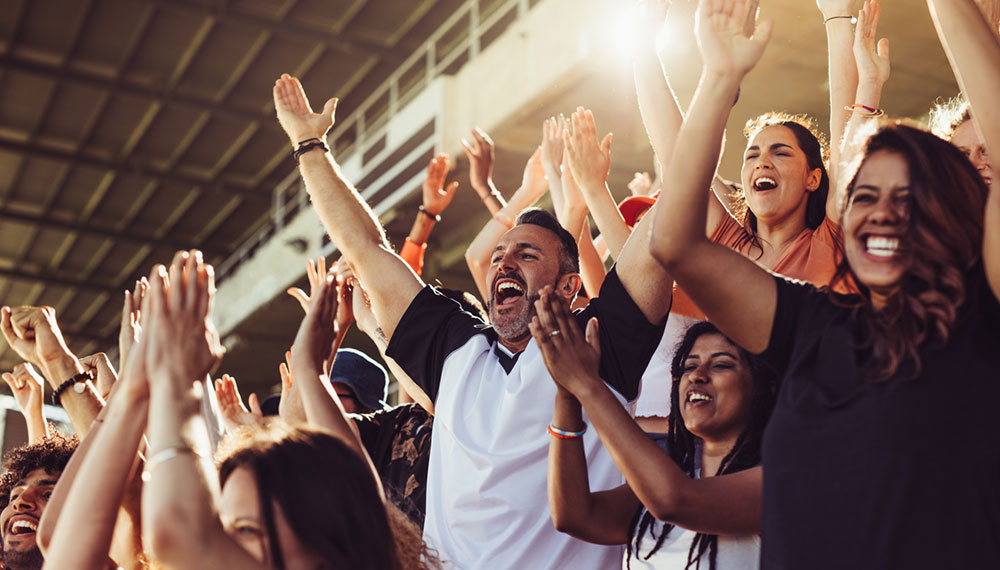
947, 116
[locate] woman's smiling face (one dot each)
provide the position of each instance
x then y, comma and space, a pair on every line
875, 223
715, 389
776, 176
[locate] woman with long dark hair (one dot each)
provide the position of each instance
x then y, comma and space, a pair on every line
720, 402
853, 476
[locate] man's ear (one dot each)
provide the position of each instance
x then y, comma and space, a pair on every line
568, 285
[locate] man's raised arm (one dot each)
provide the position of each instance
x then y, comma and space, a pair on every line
347, 218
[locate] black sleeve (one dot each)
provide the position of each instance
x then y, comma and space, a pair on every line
628, 340
432, 327
793, 305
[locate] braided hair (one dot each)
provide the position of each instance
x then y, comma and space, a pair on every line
682, 445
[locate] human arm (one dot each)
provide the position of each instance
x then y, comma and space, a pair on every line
180, 523
573, 217
975, 58
728, 504
480, 153
94, 510
843, 78
718, 279
991, 12
589, 161
553, 150
480, 252
348, 220
34, 334
310, 350
436, 198
28, 388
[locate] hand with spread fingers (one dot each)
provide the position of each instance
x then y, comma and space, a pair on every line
295, 114
183, 345
314, 341
872, 58
234, 412
102, 371
726, 50
131, 328
481, 154
314, 272
436, 196
28, 388
571, 356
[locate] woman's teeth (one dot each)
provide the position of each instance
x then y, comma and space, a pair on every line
765, 183
882, 246
698, 397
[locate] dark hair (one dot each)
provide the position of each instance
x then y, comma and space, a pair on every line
569, 255
944, 238
326, 492
51, 454
682, 444
813, 146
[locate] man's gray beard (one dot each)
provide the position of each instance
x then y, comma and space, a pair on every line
18, 560
517, 328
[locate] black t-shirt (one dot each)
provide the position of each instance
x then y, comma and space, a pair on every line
399, 443
898, 474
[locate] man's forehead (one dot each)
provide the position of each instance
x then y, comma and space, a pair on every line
528, 235
39, 477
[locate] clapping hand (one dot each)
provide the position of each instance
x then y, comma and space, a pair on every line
234, 413
726, 50
436, 196
481, 155
589, 160
571, 356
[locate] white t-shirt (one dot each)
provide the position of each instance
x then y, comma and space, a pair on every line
734, 552
487, 504
654, 394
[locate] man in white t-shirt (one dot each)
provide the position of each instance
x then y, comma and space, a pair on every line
486, 488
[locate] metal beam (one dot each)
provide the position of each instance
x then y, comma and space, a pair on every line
290, 31
126, 166
118, 85
48, 222
48, 278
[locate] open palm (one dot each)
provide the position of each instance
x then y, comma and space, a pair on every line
296, 115
720, 31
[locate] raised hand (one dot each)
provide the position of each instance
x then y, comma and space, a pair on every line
314, 272
552, 143
725, 48
101, 369
872, 58
589, 160
436, 196
533, 182
290, 405
28, 388
182, 343
481, 155
571, 190
131, 329
33, 334
296, 115
640, 184
571, 356
234, 412
313, 342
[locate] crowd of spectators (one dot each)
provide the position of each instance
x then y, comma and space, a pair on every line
776, 372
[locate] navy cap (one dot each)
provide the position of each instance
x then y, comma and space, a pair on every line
364, 376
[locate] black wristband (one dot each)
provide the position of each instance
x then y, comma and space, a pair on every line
307, 145
827, 21
81, 377
435, 217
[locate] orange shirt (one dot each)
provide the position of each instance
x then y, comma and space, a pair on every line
413, 255
811, 257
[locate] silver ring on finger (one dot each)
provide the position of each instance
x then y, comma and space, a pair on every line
556, 332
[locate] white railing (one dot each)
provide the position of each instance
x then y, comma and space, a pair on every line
365, 126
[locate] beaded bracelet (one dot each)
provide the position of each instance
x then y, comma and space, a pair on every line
563, 434
423, 210
80, 379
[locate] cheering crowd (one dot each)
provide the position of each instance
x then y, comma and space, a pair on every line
822, 339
